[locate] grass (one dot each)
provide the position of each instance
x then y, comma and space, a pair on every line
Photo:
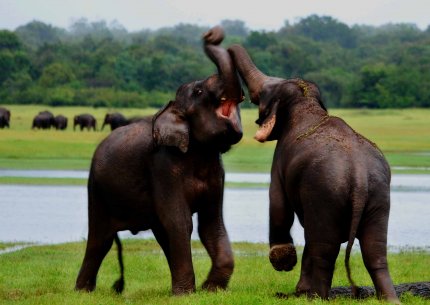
402, 134
46, 275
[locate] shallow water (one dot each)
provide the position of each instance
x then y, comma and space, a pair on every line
56, 214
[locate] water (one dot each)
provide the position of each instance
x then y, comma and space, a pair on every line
56, 214
398, 182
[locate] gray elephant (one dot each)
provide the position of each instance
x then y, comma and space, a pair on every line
4, 117
336, 181
43, 120
60, 122
115, 120
85, 121
169, 167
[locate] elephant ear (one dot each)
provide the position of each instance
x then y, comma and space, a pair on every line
169, 128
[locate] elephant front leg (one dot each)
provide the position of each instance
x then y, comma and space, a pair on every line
174, 239
214, 237
282, 254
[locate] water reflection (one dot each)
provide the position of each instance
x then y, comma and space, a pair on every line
55, 214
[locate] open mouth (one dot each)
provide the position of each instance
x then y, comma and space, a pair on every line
226, 108
265, 128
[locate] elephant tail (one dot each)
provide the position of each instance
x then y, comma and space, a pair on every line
358, 202
118, 286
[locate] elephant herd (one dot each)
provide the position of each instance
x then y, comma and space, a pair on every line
46, 120
158, 172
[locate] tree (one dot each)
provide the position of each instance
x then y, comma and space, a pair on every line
326, 28
56, 74
9, 40
36, 34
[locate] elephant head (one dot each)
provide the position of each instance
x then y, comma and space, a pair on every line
204, 112
107, 120
270, 93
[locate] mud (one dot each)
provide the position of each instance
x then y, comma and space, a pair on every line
421, 289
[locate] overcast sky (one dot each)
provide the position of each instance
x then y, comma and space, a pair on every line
266, 15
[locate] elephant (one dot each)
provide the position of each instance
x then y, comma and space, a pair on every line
43, 120
335, 180
85, 121
154, 174
4, 117
115, 120
60, 122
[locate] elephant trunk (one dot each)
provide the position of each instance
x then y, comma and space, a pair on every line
254, 78
231, 85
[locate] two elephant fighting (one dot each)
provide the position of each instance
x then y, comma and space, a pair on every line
335, 180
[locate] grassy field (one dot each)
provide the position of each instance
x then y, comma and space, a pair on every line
46, 275
403, 135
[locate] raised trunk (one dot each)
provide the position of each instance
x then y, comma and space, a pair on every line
253, 77
224, 63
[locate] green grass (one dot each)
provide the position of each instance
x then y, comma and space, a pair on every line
42, 181
46, 275
402, 134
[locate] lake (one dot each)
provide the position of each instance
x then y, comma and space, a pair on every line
56, 214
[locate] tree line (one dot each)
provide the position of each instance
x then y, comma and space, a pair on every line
102, 64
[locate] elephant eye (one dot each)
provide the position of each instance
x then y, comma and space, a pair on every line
198, 91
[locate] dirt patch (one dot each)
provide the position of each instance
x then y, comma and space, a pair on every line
421, 289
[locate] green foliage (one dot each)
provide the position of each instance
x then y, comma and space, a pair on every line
100, 64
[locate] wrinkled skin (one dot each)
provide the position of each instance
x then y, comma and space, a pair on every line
44, 120
85, 121
4, 117
60, 122
154, 174
335, 181
115, 120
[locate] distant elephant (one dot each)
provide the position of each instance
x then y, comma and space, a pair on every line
60, 122
85, 121
154, 174
335, 180
115, 120
44, 120
4, 117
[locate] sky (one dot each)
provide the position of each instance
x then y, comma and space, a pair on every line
267, 15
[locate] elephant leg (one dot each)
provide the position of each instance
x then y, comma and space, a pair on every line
304, 284
323, 258
162, 239
282, 251
373, 243
175, 240
214, 237
98, 245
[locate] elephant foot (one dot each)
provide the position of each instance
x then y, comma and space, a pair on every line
118, 286
283, 257
85, 287
303, 287
214, 286
183, 291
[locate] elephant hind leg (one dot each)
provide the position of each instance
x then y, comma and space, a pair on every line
98, 245
374, 251
323, 258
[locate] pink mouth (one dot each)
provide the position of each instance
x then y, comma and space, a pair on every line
226, 108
